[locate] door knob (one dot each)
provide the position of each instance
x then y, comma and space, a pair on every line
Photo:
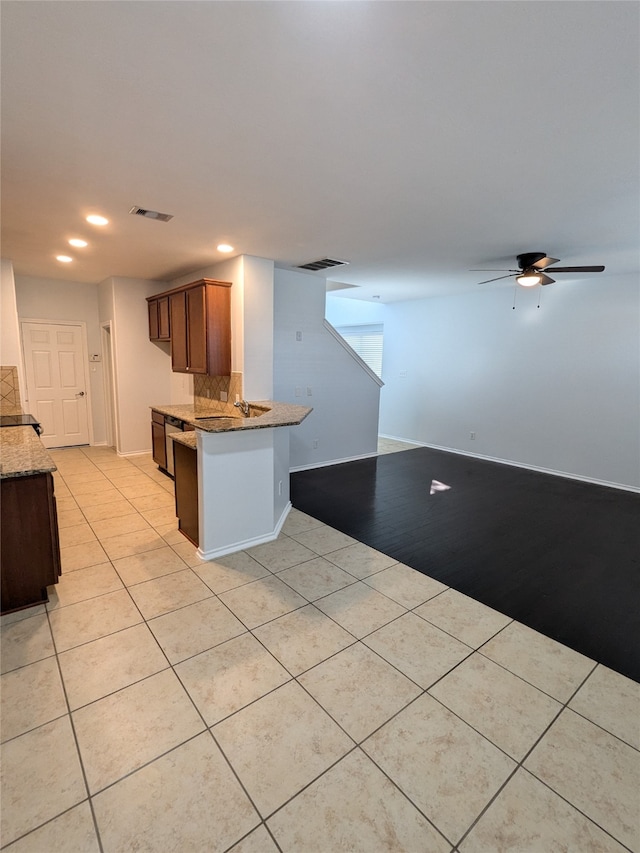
80, 394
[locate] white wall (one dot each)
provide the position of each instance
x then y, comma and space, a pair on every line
142, 369
345, 399
57, 300
555, 387
258, 328
10, 348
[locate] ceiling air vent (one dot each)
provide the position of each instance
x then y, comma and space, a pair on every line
323, 264
151, 214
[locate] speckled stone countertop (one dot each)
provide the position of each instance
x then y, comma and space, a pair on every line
216, 418
22, 453
189, 439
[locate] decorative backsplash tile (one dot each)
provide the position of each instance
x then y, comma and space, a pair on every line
10, 388
202, 384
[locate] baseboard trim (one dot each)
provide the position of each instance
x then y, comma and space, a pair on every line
554, 473
247, 543
313, 465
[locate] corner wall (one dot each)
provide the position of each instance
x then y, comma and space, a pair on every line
142, 369
344, 397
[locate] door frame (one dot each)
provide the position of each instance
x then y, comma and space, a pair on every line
85, 359
110, 398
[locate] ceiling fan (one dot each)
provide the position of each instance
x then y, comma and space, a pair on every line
531, 270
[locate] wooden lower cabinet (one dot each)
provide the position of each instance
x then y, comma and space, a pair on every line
158, 443
29, 548
186, 482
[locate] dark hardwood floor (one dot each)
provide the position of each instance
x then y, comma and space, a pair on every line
558, 555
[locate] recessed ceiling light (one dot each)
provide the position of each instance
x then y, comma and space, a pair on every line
225, 247
94, 219
65, 259
79, 244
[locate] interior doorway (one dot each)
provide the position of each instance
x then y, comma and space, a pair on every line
55, 356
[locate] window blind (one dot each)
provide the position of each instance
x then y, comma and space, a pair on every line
367, 341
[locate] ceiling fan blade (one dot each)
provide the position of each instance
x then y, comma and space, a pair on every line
498, 279
545, 279
578, 269
545, 262
486, 270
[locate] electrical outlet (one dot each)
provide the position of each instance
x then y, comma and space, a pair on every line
223, 396
315, 443
472, 436
298, 391
309, 391
280, 487
298, 336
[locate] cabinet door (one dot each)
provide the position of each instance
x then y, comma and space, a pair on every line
186, 482
164, 325
159, 445
153, 319
197, 329
218, 314
29, 548
178, 320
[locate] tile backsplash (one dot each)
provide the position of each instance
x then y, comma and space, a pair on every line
206, 389
10, 388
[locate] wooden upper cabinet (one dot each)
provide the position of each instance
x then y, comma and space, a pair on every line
197, 329
199, 318
152, 305
159, 326
179, 346
164, 325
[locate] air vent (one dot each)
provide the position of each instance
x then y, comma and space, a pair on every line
151, 214
323, 264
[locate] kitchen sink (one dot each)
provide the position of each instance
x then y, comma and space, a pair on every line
254, 412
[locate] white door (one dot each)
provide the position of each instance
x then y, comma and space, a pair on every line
56, 386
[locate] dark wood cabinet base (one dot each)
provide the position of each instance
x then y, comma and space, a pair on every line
186, 480
29, 549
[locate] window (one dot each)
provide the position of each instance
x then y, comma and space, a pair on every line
367, 342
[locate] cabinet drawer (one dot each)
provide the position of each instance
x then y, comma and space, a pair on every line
157, 418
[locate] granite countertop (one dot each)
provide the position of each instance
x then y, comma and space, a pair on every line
22, 453
219, 417
189, 439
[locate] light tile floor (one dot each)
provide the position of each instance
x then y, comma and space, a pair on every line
306, 695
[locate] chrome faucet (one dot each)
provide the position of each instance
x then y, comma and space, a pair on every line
243, 406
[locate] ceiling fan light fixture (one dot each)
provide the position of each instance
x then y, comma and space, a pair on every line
529, 279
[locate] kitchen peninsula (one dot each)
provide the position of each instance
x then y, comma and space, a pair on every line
242, 470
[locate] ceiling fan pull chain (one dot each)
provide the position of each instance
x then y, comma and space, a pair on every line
515, 293
539, 294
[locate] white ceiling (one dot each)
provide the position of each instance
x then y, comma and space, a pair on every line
416, 140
